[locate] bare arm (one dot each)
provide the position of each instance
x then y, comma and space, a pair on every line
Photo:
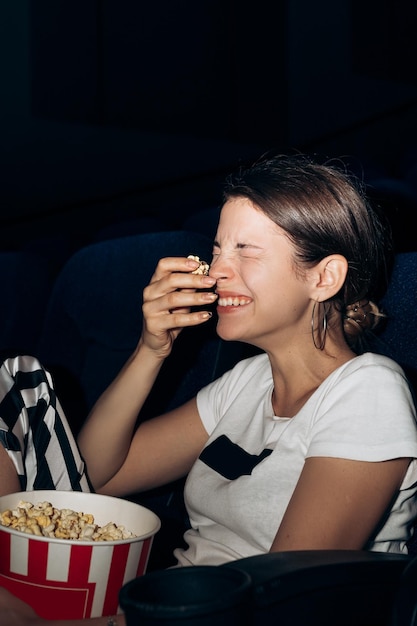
9, 481
162, 450
105, 440
338, 503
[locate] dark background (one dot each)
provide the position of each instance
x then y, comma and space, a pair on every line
123, 116
113, 110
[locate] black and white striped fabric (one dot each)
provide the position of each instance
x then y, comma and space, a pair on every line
34, 430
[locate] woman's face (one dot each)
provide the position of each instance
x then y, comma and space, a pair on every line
262, 299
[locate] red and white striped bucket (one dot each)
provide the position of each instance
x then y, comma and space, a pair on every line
74, 579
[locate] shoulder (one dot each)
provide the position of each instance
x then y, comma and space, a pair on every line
371, 364
249, 377
370, 382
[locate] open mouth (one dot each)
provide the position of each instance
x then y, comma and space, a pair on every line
233, 301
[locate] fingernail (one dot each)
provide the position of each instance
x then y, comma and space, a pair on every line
209, 296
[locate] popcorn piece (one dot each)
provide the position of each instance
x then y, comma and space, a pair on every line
45, 520
203, 267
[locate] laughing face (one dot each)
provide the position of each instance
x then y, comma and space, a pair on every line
262, 298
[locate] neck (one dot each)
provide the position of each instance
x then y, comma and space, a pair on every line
297, 377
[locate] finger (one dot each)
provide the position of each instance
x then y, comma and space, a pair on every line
178, 319
167, 265
177, 283
177, 301
161, 333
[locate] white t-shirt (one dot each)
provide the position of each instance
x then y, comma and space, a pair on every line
238, 490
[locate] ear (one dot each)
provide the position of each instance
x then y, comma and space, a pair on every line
329, 277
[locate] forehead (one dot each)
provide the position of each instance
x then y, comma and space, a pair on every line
239, 217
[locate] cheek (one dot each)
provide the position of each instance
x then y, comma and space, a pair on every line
282, 296
268, 285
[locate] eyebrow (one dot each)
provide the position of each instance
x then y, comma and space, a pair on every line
238, 245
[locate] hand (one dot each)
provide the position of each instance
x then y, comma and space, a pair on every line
15, 612
168, 299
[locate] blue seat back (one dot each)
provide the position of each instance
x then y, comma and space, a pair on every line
398, 338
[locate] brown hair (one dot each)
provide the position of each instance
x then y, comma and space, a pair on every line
324, 211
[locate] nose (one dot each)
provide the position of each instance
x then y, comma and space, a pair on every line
219, 268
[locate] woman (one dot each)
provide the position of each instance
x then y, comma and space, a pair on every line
312, 444
309, 445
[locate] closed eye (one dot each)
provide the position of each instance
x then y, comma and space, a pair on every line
245, 250
239, 246
249, 250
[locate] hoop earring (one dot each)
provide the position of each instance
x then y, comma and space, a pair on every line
323, 332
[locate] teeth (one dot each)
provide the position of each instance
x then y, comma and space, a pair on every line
233, 301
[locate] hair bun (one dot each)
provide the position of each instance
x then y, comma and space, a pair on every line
361, 316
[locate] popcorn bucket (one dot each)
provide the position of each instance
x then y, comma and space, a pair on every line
75, 578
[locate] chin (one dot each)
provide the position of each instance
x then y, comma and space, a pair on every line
228, 332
